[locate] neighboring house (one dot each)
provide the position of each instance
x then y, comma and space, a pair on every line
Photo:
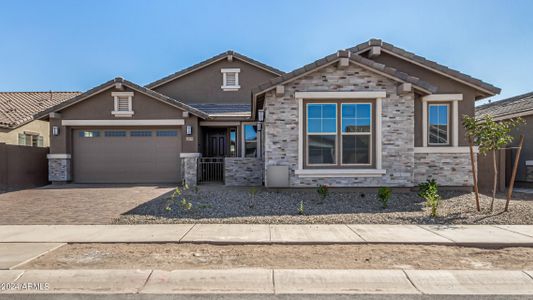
518, 106
17, 126
370, 115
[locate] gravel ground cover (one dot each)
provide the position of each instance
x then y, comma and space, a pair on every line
204, 256
227, 205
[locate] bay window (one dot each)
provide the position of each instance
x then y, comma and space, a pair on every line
439, 130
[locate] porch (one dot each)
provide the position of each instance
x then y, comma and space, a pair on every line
229, 154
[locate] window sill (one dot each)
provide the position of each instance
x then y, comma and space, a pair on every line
231, 88
122, 113
340, 172
444, 149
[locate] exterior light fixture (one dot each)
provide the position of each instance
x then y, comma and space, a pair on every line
188, 130
261, 115
55, 131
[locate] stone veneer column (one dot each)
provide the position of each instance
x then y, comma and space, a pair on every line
59, 168
189, 168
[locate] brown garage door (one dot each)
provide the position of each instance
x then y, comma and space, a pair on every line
126, 156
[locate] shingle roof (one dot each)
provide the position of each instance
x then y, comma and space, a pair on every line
370, 64
507, 107
229, 109
428, 63
210, 61
18, 108
129, 84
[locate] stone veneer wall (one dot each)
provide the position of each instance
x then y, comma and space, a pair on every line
243, 171
189, 170
451, 169
59, 169
281, 125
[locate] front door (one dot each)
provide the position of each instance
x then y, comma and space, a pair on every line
216, 143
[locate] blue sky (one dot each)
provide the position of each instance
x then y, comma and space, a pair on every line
75, 45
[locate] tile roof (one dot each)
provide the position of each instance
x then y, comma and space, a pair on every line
18, 108
223, 108
129, 84
370, 64
428, 63
507, 107
210, 61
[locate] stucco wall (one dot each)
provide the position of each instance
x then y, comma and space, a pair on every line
12, 136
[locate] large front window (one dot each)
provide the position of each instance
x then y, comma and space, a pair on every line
352, 133
438, 124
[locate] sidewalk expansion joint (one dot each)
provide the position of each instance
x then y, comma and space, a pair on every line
357, 234
507, 229
411, 282
185, 234
145, 282
436, 233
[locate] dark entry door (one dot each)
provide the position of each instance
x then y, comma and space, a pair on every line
216, 143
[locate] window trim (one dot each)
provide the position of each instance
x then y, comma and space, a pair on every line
307, 134
116, 96
372, 95
447, 105
453, 117
243, 140
371, 156
225, 86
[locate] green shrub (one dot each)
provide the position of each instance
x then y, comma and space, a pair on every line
301, 208
178, 196
429, 191
322, 191
384, 194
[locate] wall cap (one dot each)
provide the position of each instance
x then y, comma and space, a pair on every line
58, 156
183, 155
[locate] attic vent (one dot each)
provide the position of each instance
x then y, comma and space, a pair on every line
122, 104
230, 79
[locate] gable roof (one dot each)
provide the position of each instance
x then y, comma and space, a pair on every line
129, 84
521, 105
428, 64
359, 60
18, 108
207, 62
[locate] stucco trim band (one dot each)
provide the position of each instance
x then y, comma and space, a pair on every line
445, 150
162, 122
58, 156
340, 95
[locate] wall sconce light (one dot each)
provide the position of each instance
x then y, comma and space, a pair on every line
188, 130
55, 131
261, 115
259, 126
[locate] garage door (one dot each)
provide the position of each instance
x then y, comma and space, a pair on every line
126, 156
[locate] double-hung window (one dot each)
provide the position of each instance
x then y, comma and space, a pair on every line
351, 132
356, 133
321, 133
438, 120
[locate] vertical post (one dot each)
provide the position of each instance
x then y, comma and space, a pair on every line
474, 172
513, 176
378, 133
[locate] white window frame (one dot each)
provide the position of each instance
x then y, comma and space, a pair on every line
454, 99
339, 172
447, 105
116, 96
243, 139
225, 86
358, 133
307, 134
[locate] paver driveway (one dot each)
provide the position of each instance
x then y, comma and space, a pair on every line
74, 203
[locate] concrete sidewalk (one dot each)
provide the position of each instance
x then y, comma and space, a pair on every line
269, 282
465, 235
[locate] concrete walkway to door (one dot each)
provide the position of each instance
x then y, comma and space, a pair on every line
74, 203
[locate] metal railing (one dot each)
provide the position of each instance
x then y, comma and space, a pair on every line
211, 169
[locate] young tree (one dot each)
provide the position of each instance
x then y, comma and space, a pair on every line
490, 136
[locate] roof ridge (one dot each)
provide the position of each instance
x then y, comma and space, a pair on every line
507, 101
208, 61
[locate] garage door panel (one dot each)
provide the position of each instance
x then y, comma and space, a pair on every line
127, 159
